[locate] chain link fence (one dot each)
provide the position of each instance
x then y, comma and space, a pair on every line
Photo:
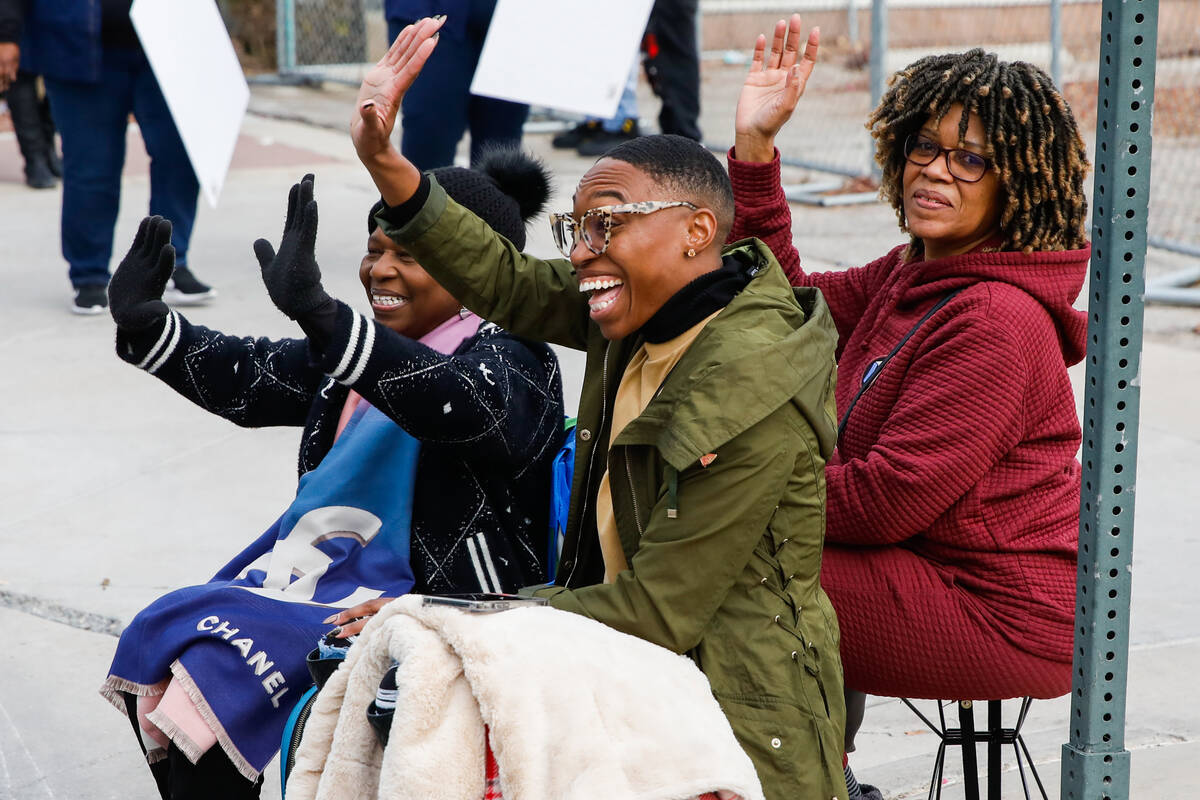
330, 40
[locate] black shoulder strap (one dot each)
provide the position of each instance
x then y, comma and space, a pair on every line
876, 367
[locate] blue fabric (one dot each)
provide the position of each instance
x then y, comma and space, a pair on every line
92, 118
286, 740
439, 107
62, 39
456, 11
562, 476
243, 636
627, 107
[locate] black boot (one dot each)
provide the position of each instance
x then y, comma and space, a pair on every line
213, 776
48, 134
25, 107
38, 174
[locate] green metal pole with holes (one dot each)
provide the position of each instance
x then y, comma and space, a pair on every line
1095, 762
285, 36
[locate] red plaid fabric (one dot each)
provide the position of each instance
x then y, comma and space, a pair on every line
492, 790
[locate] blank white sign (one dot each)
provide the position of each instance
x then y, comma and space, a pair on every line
573, 55
191, 55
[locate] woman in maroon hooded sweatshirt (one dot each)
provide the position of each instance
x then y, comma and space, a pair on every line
953, 496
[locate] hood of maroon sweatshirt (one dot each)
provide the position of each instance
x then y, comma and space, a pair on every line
1053, 278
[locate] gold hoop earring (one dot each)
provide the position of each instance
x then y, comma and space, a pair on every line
691, 253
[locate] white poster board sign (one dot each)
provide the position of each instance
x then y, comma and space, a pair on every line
189, 49
573, 55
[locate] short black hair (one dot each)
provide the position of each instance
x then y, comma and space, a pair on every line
686, 166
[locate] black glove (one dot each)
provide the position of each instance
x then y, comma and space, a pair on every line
292, 276
135, 291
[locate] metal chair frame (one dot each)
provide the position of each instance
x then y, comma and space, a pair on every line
966, 737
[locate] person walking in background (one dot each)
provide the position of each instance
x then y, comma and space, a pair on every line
673, 65
440, 107
96, 75
27, 104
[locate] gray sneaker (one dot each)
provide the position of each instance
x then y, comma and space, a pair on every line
185, 289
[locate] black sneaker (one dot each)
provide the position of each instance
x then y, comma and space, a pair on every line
603, 140
383, 707
185, 289
90, 300
569, 140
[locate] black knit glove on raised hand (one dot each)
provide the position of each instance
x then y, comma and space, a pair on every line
292, 276
136, 289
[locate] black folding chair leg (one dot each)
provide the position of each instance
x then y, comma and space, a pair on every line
995, 736
1032, 768
966, 721
935, 784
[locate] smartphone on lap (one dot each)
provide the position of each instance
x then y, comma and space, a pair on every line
483, 602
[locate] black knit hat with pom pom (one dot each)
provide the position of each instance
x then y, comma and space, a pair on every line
505, 190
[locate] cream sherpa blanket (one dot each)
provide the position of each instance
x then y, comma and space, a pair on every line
575, 710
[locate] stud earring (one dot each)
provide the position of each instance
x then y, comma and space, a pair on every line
691, 253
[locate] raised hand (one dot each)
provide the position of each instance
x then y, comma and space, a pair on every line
772, 89
384, 86
292, 276
136, 289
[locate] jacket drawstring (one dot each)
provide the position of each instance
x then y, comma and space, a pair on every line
672, 492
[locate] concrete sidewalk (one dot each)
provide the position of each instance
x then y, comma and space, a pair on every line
114, 490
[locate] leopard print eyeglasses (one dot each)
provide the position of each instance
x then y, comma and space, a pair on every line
595, 226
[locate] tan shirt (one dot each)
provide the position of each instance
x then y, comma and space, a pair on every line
643, 376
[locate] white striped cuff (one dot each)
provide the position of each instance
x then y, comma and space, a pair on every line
358, 351
481, 559
168, 340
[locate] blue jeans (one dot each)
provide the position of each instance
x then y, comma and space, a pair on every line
92, 119
439, 107
627, 106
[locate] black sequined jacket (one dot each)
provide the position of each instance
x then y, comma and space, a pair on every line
489, 418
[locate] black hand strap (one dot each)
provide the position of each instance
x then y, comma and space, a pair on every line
877, 366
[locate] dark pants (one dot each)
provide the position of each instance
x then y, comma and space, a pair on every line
31, 118
92, 119
213, 776
439, 107
856, 709
673, 65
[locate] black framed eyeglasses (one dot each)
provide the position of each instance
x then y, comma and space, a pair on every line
964, 165
595, 226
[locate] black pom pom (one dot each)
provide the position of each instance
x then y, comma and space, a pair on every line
519, 175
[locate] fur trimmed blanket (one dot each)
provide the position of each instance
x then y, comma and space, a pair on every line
574, 709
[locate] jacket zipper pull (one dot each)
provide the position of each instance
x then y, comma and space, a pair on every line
672, 493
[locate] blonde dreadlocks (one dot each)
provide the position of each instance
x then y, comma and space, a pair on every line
1035, 146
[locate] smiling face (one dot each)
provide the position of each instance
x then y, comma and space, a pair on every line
403, 295
645, 263
950, 216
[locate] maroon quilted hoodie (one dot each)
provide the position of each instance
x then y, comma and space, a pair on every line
964, 448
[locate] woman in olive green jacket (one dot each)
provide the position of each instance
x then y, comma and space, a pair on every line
717, 486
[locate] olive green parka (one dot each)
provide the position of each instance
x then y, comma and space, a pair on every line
718, 487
